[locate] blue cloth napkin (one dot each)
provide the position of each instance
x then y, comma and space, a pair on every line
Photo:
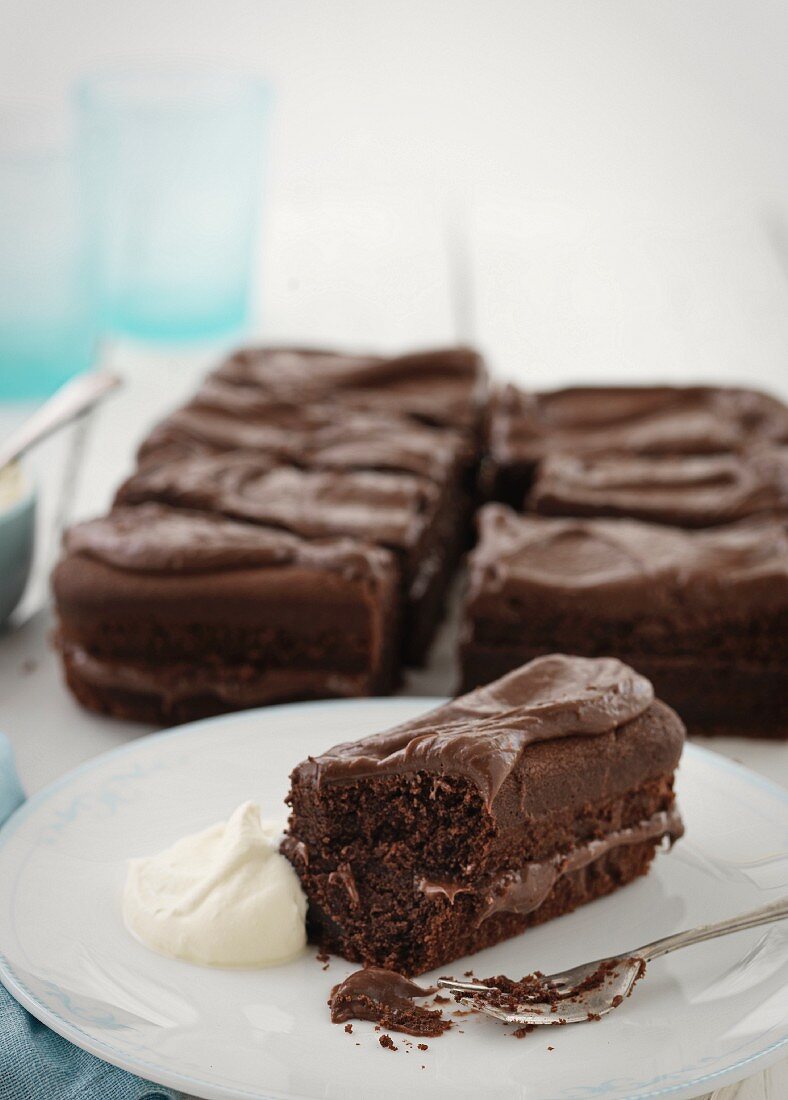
35, 1063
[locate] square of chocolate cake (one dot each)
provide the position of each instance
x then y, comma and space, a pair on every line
682, 490
507, 807
324, 436
168, 615
702, 613
524, 428
446, 387
409, 515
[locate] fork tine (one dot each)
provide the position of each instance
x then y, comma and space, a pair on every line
463, 987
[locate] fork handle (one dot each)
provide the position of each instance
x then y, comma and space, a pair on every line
776, 910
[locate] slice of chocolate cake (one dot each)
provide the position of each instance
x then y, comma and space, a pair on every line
524, 428
704, 614
445, 387
500, 810
317, 437
420, 523
167, 616
685, 490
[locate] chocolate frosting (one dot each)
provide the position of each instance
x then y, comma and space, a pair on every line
524, 890
153, 538
445, 386
224, 417
691, 491
482, 735
619, 567
386, 987
387, 997
638, 420
389, 509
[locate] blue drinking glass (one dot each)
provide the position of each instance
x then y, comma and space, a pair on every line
46, 316
173, 169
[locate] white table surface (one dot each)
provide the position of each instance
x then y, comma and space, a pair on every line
563, 302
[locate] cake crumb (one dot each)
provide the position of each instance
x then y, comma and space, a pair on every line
388, 1043
467, 974
440, 1000
386, 998
423, 1046
521, 1032
551, 1048
349, 1029
617, 1000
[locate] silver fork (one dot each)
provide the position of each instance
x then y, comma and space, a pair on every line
619, 974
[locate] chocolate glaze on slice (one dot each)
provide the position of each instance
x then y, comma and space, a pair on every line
322, 436
623, 567
444, 387
483, 734
638, 420
153, 538
386, 997
686, 490
524, 428
384, 508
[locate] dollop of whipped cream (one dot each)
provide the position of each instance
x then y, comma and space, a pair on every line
12, 485
221, 897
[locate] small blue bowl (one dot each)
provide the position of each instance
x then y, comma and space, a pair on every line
17, 539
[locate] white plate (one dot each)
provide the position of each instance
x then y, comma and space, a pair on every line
703, 1017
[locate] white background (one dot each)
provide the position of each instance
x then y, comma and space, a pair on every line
619, 167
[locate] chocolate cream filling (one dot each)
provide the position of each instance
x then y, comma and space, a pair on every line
526, 889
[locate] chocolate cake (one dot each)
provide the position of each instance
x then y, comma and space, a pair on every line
386, 998
500, 810
445, 387
317, 437
524, 428
683, 490
168, 615
404, 513
703, 614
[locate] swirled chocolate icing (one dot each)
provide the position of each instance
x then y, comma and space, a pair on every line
482, 735
444, 387
524, 427
619, 567
224, 417
153, 538
690, 491
388, 509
